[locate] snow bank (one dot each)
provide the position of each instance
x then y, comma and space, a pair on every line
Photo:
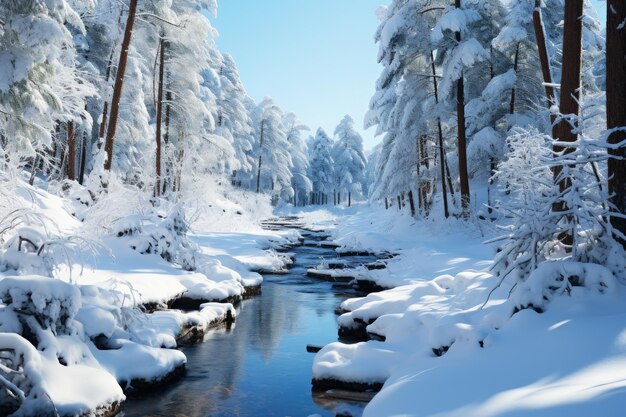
45, 385
551, 345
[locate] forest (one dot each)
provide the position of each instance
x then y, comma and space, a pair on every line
158, 224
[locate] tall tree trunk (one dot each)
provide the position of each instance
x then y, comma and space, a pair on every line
616, 109
570, 94
105, 107
107, 76
426, 186
462, 143
442, 153
166, 139
513, 90
83, 159
386, 204
119, 83
71, 152
544, 61
412, 203
159, 117
349, 199
258, 174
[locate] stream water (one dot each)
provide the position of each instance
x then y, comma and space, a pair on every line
260, 366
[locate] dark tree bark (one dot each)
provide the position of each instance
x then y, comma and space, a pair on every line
71, 152
616, 108
462, 142
544, 61
412, 203
83, 159
105, 107
426, 186
513, 90
442, 152
386, 204
159, 117
119, 83
570, 94
258, 174
349, 199
399, 204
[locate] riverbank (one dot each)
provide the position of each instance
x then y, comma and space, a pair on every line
449, 339
89, 300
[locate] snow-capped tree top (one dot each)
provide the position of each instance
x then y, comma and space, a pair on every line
454, 20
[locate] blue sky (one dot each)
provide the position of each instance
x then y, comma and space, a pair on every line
315, 58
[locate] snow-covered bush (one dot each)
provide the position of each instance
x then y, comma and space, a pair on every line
164, 235
34, 303
531, 235
536, 229
20, 364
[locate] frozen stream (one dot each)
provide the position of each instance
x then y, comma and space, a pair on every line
260, 367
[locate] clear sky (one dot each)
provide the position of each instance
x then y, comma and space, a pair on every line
315, 58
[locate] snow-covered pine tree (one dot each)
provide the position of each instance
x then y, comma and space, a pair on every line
349, 160
274, 164
37, 63
616, 112
321, 165
233, 120
458, 50
301, 184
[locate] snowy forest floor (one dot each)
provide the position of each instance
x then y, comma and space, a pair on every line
450, 349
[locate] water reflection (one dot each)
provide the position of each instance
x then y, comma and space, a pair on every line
260, 367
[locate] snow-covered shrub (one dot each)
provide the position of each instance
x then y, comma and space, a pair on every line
531, 235
535, 231
165, 236
552, 279
35, 303
20, 364
31, 237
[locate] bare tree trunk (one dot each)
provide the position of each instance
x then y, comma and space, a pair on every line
386, 204
107, 76
71, 152
462, 145
515, 66
83, 159
570, 93
442, 153
105, 107
399, 203
426, 186
258, 175
616, 109
119, 83
544, 61
412, 203
349, 199
159, 117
